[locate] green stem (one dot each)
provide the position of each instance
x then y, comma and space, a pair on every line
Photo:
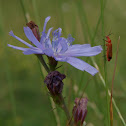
24, 11
96, 29
64, 107
35, 12
43, 62
82, 19
62, 102
105, 66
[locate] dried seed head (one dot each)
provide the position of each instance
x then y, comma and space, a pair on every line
80, 110
54, 82
34, 29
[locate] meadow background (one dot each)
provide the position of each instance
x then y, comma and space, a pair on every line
24, 100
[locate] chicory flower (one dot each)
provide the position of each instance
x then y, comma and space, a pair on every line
60, 48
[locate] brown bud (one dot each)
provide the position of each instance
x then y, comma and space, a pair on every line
80, 110
54, 82
34, 29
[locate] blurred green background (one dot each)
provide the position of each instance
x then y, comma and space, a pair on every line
23, 95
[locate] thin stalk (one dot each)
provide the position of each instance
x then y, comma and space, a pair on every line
55, 111
80, 8
40, 57
85, 18
111, 106
64, 107
24, 11
96, 29
35, 12
104, 84
105, 66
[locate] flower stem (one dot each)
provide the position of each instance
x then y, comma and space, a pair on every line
60, 97
23, 9
105, 66
43, 62
64, 107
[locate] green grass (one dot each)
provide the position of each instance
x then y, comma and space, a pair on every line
24, 101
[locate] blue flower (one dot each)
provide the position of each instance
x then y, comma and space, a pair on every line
60, 48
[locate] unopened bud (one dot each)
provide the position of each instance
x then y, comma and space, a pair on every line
54, 82
80, 110
34, 29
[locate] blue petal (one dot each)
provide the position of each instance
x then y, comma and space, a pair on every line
18, 48
81, 65
46, 20
32, 38
31, 51
77, 63
83, 50
43, 38
63, 45
12, 34
48, 52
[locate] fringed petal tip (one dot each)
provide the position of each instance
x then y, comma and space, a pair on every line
11, 33
91, 70
81, 65
9, 45
57, 32
99, 47
47, 18
48, 33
